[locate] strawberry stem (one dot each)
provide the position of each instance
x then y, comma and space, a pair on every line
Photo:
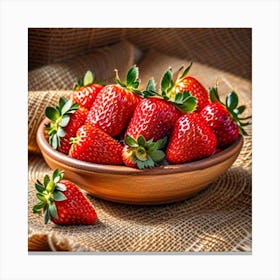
231, 105
59, 117
132, 80
88, 79
184, 101
146, 154
48, 193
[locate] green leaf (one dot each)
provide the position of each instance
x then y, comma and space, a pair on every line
66, 107
41, 197
146, 93
60, 187
132, 76
140, 164
56, 176
50, 186
46, 216
239, 110
138, 92
52, 113
179, 98
62, 101
150, 89
214, 96
38, 207
141, 141
64, 121
59, 196
60, 132
47, 127
162, 142
39, 187
46, 179
151, 146
164, 95
186, 71
80, 82
74, 107
131, 142
188, 106
157, 156
149, 163
232, 100
53, 211
151, 86
166, 81
88, 78
135, 85
54, 141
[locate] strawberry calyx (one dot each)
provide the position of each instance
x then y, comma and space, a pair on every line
48, 192
169, 82
88, 79
184, 101
146, 154
59, 117
132, 80
231, 104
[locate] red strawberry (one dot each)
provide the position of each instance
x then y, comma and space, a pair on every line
183, 83
94, 145
153, 118
191, 140
224, 119
62, 202
115, 104
151, 124
86, 90
65, 119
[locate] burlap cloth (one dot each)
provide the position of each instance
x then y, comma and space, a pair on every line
218, 219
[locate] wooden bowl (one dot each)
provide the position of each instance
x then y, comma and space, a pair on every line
123, 184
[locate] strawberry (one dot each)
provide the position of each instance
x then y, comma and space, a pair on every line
65, 119
62, 202
153, 118
224, 119
85, 90
151, 124
115, 104
91, 144
184, 83
190, 140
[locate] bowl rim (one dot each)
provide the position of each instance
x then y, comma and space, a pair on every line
124, 170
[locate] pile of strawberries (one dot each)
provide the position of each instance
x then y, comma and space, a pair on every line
119, 124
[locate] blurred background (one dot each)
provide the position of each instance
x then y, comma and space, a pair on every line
227, 49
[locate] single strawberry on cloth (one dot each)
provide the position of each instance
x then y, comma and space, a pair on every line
218, 219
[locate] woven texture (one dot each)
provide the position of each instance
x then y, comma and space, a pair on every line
218, 219
228, 49
62, 75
